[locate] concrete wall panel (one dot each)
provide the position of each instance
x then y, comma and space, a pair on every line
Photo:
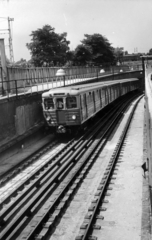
29, 121
20, 120
7, 120
18, 115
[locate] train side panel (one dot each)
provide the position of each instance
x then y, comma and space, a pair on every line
99, 98
103, 97
87, 102
90, 103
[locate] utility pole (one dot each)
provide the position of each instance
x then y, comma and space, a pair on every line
5, 80
10, 40
10, 37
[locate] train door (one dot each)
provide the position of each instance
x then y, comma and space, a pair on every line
106, 96
85, 102
90, 104
97, 99
60, 106
83, 106
113, 90
94, 101
112, 93
100, 96
103, 97
109, 94
121, 89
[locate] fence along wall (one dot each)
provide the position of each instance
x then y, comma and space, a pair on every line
20, 79
23, 77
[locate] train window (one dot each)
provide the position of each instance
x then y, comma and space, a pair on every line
90, 97
71, 102
97, 95
59, 103
48, 103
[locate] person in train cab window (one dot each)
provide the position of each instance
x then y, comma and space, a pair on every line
45, 105
60, 104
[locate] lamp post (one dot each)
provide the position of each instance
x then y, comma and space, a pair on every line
5, 79
61, 73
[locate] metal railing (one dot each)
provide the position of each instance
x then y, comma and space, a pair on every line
31, 80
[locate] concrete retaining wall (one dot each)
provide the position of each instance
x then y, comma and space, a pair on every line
19, 115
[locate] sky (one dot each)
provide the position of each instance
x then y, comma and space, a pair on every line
125, 23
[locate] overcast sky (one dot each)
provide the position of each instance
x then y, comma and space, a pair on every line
125, 23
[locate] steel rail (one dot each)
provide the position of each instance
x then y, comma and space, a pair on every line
13, 171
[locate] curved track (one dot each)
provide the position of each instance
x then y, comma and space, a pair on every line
39, 200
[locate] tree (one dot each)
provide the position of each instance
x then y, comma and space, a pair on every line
22, 62
150, 52
119, 54
82, 54
48, 47
101, 49
69, 58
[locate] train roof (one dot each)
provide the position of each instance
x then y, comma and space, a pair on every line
76, 89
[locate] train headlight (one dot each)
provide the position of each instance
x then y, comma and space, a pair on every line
74, 117
48, 118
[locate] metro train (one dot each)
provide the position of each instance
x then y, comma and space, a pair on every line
67, 109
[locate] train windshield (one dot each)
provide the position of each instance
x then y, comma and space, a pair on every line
59, 103
48, 103
71, 102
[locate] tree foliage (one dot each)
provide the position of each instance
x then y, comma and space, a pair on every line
47, 47
52, 49
150, 52
119, 52
69, 58
100, 48
82, 54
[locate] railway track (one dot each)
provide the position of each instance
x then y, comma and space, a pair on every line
13, 171
94, 211
31, 210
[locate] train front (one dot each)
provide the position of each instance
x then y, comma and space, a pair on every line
61, 110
